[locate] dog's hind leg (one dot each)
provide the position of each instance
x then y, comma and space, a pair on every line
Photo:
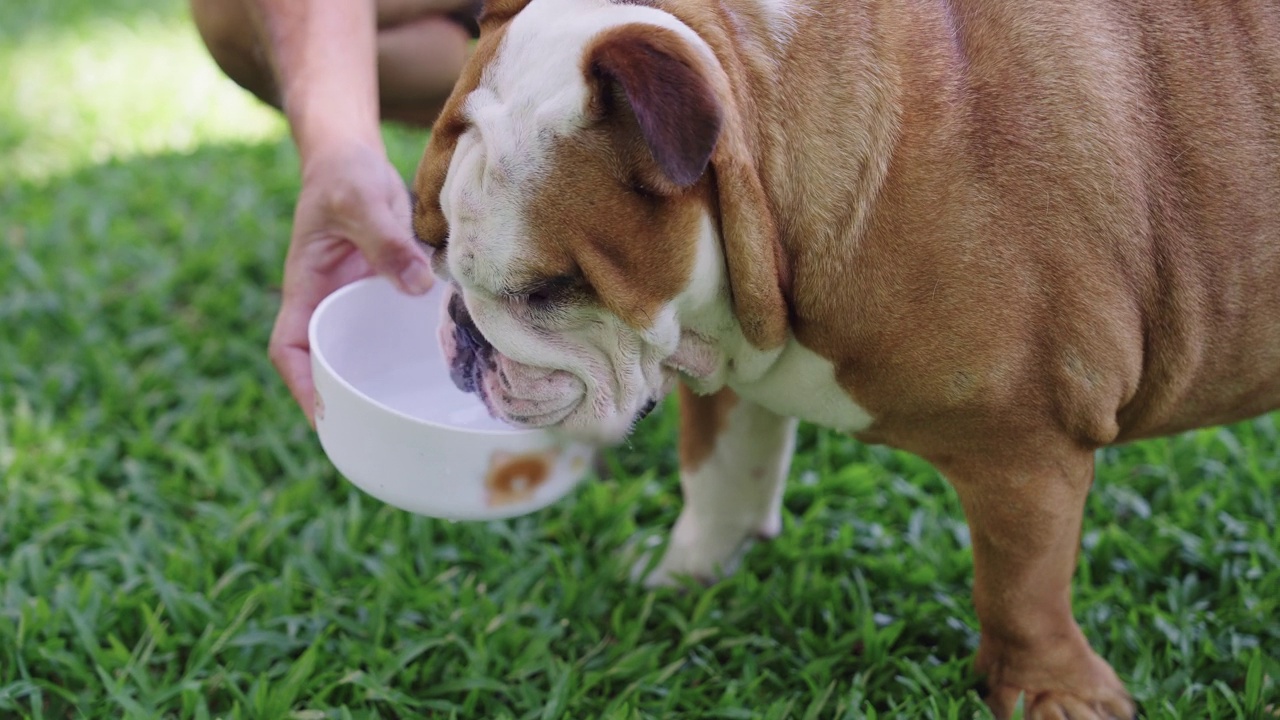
1024, 512
734, 459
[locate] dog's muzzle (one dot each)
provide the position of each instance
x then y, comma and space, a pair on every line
517, 393
475, 353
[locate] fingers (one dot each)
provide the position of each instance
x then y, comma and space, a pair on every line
290, 352
352, 220
294, 365
361, 198
311, 273
391, 250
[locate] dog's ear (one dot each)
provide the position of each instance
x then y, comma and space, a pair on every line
666, 86
759, 272
691, 116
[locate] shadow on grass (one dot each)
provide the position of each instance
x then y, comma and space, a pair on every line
185, 249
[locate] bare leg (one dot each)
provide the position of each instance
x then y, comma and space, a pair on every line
1025, 519
734, 459
418, 63
420, 53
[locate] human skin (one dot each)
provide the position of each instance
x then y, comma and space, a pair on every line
336, 70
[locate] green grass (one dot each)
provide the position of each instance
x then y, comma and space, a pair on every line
174, 544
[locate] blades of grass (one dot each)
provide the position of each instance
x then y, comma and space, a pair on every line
119, 695
1253, 683
140, 657
204, 654
11, 694
291, 687
1231, 698
1020, 707
815, 708
557, 703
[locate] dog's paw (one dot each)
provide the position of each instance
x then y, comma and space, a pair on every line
701, 551
680, 565
1103, 703
1084, 689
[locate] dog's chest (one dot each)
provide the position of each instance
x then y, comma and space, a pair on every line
800, 383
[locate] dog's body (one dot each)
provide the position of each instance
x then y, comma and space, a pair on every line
994, 233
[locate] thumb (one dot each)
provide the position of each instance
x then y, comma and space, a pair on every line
393, 253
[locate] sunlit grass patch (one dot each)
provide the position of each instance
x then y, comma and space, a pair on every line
115, 88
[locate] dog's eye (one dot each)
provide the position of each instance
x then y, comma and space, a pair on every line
541, 296
547, 293
642, 190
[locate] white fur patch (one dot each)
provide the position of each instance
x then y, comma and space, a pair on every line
734, 496
802, 384
793, 381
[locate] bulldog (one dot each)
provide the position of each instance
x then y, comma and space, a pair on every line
997, 234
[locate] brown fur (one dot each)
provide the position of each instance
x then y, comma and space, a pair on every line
1040, 228
1019, 231
702, 419
1035, 223
633, 280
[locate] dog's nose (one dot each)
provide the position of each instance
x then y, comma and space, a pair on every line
466, 333
474, 353
648, 408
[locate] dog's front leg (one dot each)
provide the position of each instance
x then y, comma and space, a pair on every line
1024, 517
734, 459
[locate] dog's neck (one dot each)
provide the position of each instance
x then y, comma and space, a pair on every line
811, 79
786, 60
713, 350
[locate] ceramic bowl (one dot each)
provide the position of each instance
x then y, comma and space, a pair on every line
394, 425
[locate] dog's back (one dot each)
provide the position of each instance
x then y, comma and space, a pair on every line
1076, 201
1209, 261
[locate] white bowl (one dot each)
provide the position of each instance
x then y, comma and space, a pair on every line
392, 422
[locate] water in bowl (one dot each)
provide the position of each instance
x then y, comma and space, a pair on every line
408, 389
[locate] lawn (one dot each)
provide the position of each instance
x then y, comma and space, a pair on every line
173, 542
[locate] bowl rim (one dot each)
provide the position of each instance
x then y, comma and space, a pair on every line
318, 356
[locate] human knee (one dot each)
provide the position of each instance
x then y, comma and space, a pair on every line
227, 29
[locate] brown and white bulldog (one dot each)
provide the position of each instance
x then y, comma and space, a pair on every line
998, 234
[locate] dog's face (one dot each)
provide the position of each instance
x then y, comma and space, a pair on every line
565, 192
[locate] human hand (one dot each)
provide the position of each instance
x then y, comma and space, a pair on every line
352, 220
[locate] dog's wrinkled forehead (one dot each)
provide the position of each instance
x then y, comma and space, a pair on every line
535, 87
531, 97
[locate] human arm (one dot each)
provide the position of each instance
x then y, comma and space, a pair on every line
352, 215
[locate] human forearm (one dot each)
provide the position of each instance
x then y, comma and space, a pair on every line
324, 55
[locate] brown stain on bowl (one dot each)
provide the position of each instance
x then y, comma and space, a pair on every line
515, 477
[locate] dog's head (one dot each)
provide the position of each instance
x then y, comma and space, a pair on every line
584, 189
